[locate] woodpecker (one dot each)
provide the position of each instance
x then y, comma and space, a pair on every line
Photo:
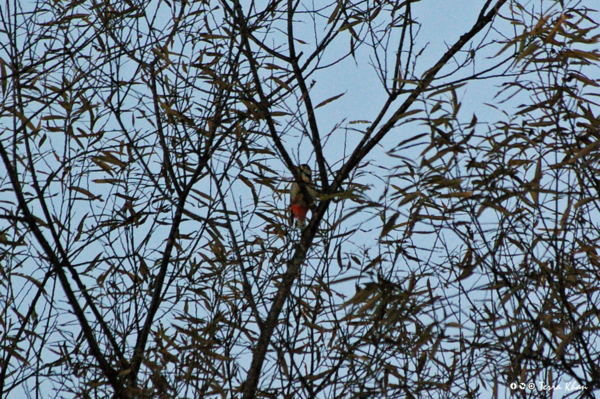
300, 204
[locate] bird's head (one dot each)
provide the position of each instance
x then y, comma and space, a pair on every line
305, 173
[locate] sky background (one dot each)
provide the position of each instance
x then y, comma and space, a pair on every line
441, 24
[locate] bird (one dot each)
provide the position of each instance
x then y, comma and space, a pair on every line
299, 204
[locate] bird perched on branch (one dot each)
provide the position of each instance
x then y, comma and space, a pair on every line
299, 203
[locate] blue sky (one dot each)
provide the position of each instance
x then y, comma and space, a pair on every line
440, 24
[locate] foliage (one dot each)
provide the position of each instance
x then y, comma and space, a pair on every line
147, 152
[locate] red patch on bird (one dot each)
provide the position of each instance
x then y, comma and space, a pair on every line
299, 211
